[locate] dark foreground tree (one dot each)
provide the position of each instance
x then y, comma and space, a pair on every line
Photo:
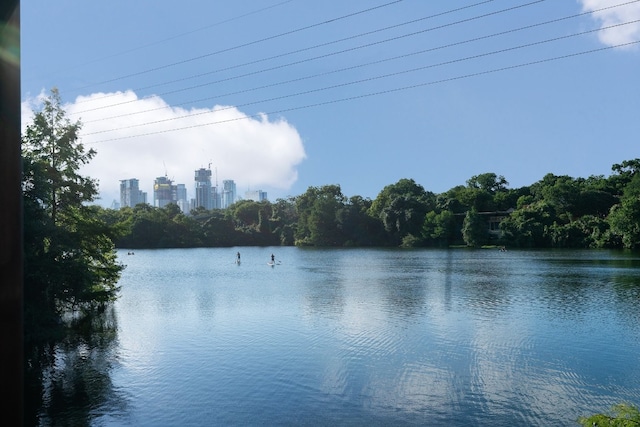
70, 266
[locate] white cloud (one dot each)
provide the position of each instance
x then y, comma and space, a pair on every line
613, 16
137, 138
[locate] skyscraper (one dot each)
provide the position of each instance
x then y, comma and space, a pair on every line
130, 194
181, 195
228, 193
164, 192
204, 190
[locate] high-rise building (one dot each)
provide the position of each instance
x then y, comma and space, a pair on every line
130, 194
256, 196
181, 195
204, 190
217, 198
228, 193
164, 192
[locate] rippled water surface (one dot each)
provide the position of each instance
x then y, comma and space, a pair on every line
372, 337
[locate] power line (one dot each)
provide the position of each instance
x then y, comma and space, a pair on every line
362, 65
286, 33
176, 36
321, 56
413, 21
378, 93
371, 78
197, 30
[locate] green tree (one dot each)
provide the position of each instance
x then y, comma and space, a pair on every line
253, 216
439, 229
402, 208
176, 228
217, 229
586, 232
623, 174
560, 192
484, 192
148, 228
508, 199
318, 212
304, 206
527, 226
53, 157
489, 182
69, 257
284, 220
621, 415
474, 229
358, 227
624, 218
594, 202
246, 213
451, 200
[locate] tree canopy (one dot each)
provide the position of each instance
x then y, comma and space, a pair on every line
70, 263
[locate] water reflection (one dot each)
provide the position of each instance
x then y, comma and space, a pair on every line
68, 382
324, 290
405, 295
448, 273
627, 300
357, 336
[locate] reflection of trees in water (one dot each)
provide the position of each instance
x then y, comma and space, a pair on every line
575, 288
481, 284
448, 271
404, 279
325, 293
67, 380
627, 292
405, 294
571, 294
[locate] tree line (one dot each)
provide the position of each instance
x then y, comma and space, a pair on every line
554, 212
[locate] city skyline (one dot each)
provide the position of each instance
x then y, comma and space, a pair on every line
207, 194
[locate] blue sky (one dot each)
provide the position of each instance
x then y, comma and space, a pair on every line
281, 95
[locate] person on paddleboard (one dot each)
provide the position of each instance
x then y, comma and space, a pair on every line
273, 259
238, 258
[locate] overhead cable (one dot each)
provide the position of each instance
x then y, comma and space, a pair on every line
371, 94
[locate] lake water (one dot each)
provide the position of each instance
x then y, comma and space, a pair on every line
362, 337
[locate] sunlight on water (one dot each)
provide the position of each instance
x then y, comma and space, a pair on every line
373, 337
